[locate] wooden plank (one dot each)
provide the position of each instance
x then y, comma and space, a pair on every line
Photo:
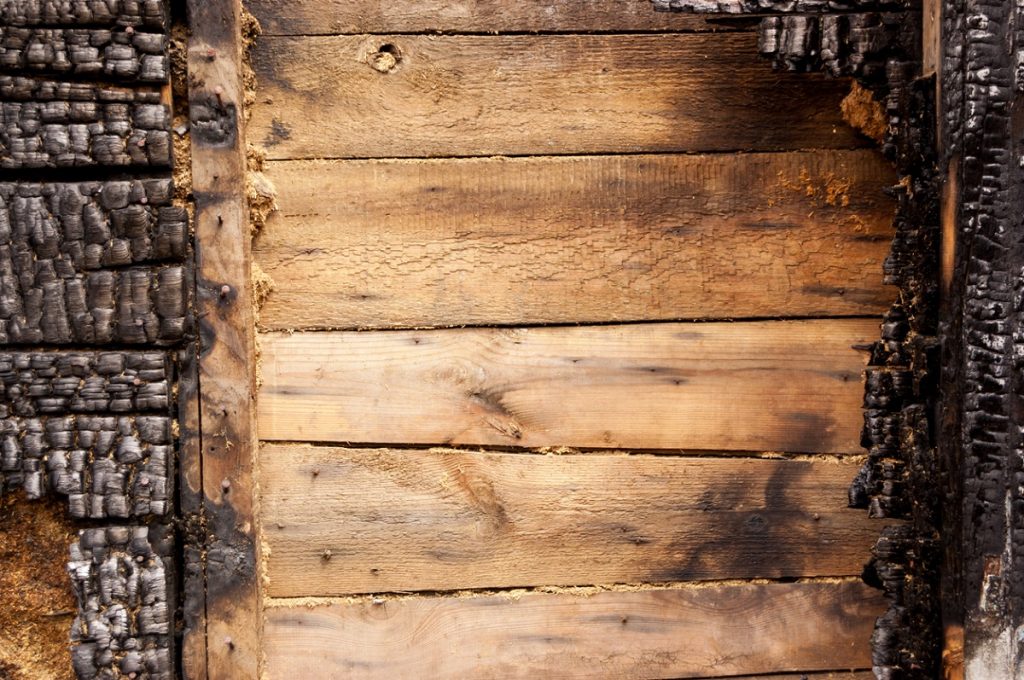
362, 244
342, 521
711, 631
325, 17
777, 386
411, 96
227, 354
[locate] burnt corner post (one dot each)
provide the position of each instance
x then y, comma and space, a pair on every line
223, 476
944, 393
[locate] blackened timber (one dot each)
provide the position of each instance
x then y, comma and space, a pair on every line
88, 226
63, 133
56, 383
857, 45
106, 466
97, 53
122, 579
41, 89
780, 6
150, 13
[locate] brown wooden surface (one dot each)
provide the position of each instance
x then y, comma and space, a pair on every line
714, 631
577, 239
227, 353
321, 97
342, 521
777, 386
324, 17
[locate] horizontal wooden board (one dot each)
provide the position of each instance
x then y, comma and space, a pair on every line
325, 97
777, 386
342, 521
714, 631
360, 244
324, 17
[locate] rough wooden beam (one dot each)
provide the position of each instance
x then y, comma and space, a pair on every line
86, 52
227, 355
122, 579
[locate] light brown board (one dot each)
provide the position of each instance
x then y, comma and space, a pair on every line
342, 521
321, 97
702, 632
579, 239
779, 385
322, 17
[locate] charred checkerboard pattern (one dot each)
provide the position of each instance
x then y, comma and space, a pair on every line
778, 6
95, 280
69, 256
900, 479
149, 13
121, 577
86, 52
107, 466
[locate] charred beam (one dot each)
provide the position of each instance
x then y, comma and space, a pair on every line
149, 13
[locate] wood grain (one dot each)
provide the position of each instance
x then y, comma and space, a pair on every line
324, 97
777, 386
227, 354
712, 631
360, 244
325, 17
342, 521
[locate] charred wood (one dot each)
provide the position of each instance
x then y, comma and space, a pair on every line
122, 579
106, 466
85, 52
150, 13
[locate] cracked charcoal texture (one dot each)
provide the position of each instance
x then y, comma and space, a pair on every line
983, 433
86, 52
57, 383
63, 133
149, 13
106, 466
122, 580
778, 6
56, 241
857, 45
94, 263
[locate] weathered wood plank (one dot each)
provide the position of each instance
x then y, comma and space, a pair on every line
711, 631
227, 354
326, 17
361, 244
410, 96
150, 13
342, 521
99, 53
777, 386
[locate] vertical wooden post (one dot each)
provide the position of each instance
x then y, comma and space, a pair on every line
983, 355
227, 350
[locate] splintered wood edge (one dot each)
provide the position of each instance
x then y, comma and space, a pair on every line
227, 343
